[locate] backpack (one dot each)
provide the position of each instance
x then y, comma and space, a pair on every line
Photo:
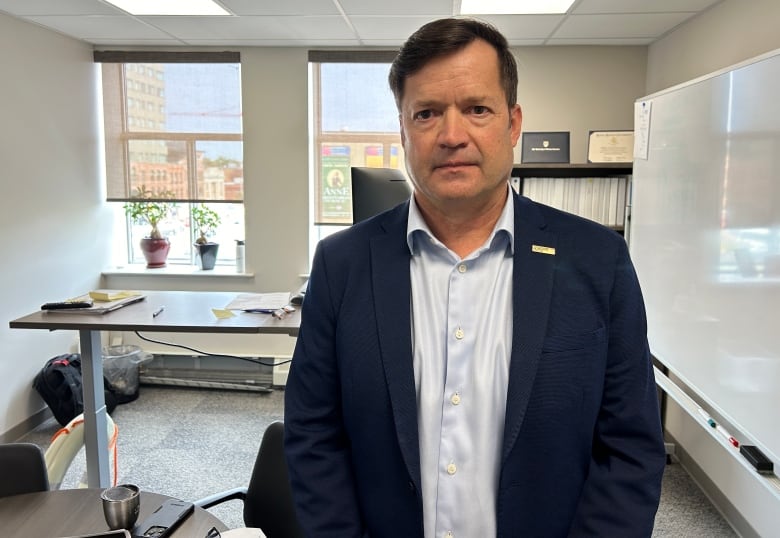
59, 384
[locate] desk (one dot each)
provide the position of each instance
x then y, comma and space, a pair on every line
185, 311
70, 512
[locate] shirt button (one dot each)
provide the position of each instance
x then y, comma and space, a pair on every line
459, 334
462, 268
451, 469
455, 399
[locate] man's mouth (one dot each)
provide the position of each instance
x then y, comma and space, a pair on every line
453, 164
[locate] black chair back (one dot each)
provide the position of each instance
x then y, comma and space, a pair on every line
22, 469
269, 504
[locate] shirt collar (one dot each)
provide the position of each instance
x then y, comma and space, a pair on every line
506, 222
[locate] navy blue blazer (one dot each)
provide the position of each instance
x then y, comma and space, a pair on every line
583, 451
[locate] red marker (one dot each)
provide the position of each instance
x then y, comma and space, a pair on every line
721, 430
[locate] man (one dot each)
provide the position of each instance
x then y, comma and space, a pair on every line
471, 364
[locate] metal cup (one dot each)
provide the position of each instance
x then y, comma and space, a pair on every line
121, 505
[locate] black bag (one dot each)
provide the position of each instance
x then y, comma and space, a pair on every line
59, 384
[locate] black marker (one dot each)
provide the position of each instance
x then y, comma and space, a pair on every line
158, 311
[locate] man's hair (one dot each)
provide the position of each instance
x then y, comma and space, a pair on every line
447, 36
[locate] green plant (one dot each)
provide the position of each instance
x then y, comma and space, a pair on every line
205, 221
151, 210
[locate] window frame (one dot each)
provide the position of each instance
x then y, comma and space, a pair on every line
120, 135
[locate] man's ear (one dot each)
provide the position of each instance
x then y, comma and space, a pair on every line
515, 122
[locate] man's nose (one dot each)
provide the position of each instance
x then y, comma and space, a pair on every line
453, 131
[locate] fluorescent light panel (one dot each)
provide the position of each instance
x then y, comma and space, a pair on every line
169, 7
514, 7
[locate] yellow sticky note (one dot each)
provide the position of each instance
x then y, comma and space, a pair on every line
543, 250
105, 296
221, 313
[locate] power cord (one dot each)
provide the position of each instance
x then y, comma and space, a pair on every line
199, 352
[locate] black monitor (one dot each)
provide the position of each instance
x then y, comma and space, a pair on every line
377, 189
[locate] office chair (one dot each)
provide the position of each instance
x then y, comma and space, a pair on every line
268, 503
67, 442
22, 469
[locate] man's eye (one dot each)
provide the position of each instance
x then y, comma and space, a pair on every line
423, 115
480, 110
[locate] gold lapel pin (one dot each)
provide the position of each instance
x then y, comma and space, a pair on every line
543, 250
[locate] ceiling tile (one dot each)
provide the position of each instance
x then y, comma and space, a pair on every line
396, 29
613, 26
432, 9
641, 6
101, 26
520, 27
225, 28
58, 7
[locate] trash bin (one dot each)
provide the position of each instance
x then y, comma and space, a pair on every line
121, 365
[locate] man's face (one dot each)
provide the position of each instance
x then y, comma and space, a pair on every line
458, 132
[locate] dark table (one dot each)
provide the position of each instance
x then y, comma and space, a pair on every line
71, 512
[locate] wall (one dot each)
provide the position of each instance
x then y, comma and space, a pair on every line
579, 89
52, 198
731, 32
51, 161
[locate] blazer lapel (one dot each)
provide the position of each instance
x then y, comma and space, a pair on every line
534, 262
392, 291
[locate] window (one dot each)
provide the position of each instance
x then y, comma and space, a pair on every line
355, 123
173, 129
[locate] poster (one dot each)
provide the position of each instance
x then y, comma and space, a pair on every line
335, 190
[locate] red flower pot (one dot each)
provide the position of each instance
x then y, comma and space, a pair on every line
155, 251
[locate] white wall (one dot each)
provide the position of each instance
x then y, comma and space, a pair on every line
52, 197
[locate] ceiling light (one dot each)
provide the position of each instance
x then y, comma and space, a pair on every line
513, 7
170, 7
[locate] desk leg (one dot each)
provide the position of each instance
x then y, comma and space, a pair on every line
95, 426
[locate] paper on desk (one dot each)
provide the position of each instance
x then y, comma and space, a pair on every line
257, 301
112, 295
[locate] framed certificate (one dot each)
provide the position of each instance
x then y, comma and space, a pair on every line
611, 147
545, 147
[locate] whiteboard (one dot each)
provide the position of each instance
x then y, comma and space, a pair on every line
705, 239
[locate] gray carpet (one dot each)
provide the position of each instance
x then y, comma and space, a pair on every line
189, 443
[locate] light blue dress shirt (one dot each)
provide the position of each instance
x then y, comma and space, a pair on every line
462, 338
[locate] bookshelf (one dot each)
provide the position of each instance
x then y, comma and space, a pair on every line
595, 191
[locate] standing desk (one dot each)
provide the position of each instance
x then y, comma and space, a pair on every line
184, 312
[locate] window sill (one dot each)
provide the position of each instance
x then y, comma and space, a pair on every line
173, 271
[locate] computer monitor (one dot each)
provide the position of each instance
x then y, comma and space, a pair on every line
377, 189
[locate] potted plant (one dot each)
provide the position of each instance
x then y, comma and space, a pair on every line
150, 209
205, 221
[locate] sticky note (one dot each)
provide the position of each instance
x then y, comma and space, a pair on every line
105, 296
221, 313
